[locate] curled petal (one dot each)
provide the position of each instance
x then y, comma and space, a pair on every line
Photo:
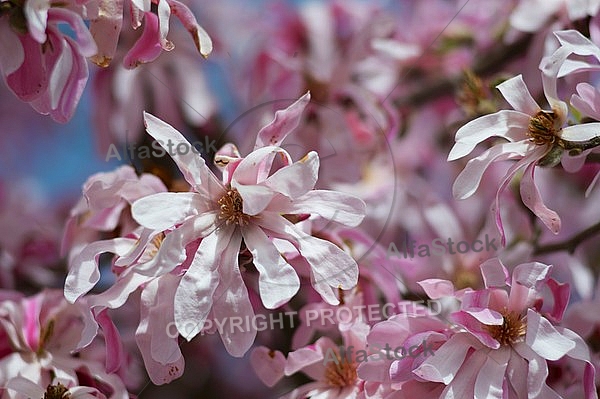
201, 38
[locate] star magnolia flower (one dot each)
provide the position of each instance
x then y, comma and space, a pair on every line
331, 367
52, 391
505, 340
248, 205
39, 63
45, 332
535, 137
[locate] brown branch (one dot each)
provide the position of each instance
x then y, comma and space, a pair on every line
569, 245
490, 62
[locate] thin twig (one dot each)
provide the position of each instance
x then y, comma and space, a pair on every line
569, 245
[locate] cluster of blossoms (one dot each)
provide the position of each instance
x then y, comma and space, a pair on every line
394, 200
47, 68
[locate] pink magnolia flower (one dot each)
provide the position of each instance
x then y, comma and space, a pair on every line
534, 137
49, 339
155, 14
104, 206
39, 63
390, 376
246, 206
331, 367
505, 338
55, 389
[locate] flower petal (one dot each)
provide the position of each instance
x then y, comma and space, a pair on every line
278, 281
296, 179
544, 339
469, 179
582, 132
515, 91
338, 207
532, 199
162, 211
191, 164
284, 123
511, 125
194, 295
83, 273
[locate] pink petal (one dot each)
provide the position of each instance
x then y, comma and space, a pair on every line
296, 179
561, 294
328, 262
255, 197
150, 334
437, 288
544, 339
25, 387
164, 14
172, 251
30, 80
490, 379
148, 47
447, 361
86, 46
284, 123
268, 365
494, 273
115, 354
231, 300
581, 132
116, 295
303, 357
587, 100
201, 38
36, 14
278, 281
255, 167
106, 30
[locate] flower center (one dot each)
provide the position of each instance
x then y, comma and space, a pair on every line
57, 392
543, 128
511, 330
232, 208
154, 245
341, 373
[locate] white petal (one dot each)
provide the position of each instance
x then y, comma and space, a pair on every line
544, 339
190, 163
583, 132
162, 211
469, 179
278, 281
83, 273
296, 179
511, 125
517, 94
194, 296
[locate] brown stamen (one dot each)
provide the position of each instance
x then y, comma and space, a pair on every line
341, 373
512, 329
56, 392
232, 208
543, 128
